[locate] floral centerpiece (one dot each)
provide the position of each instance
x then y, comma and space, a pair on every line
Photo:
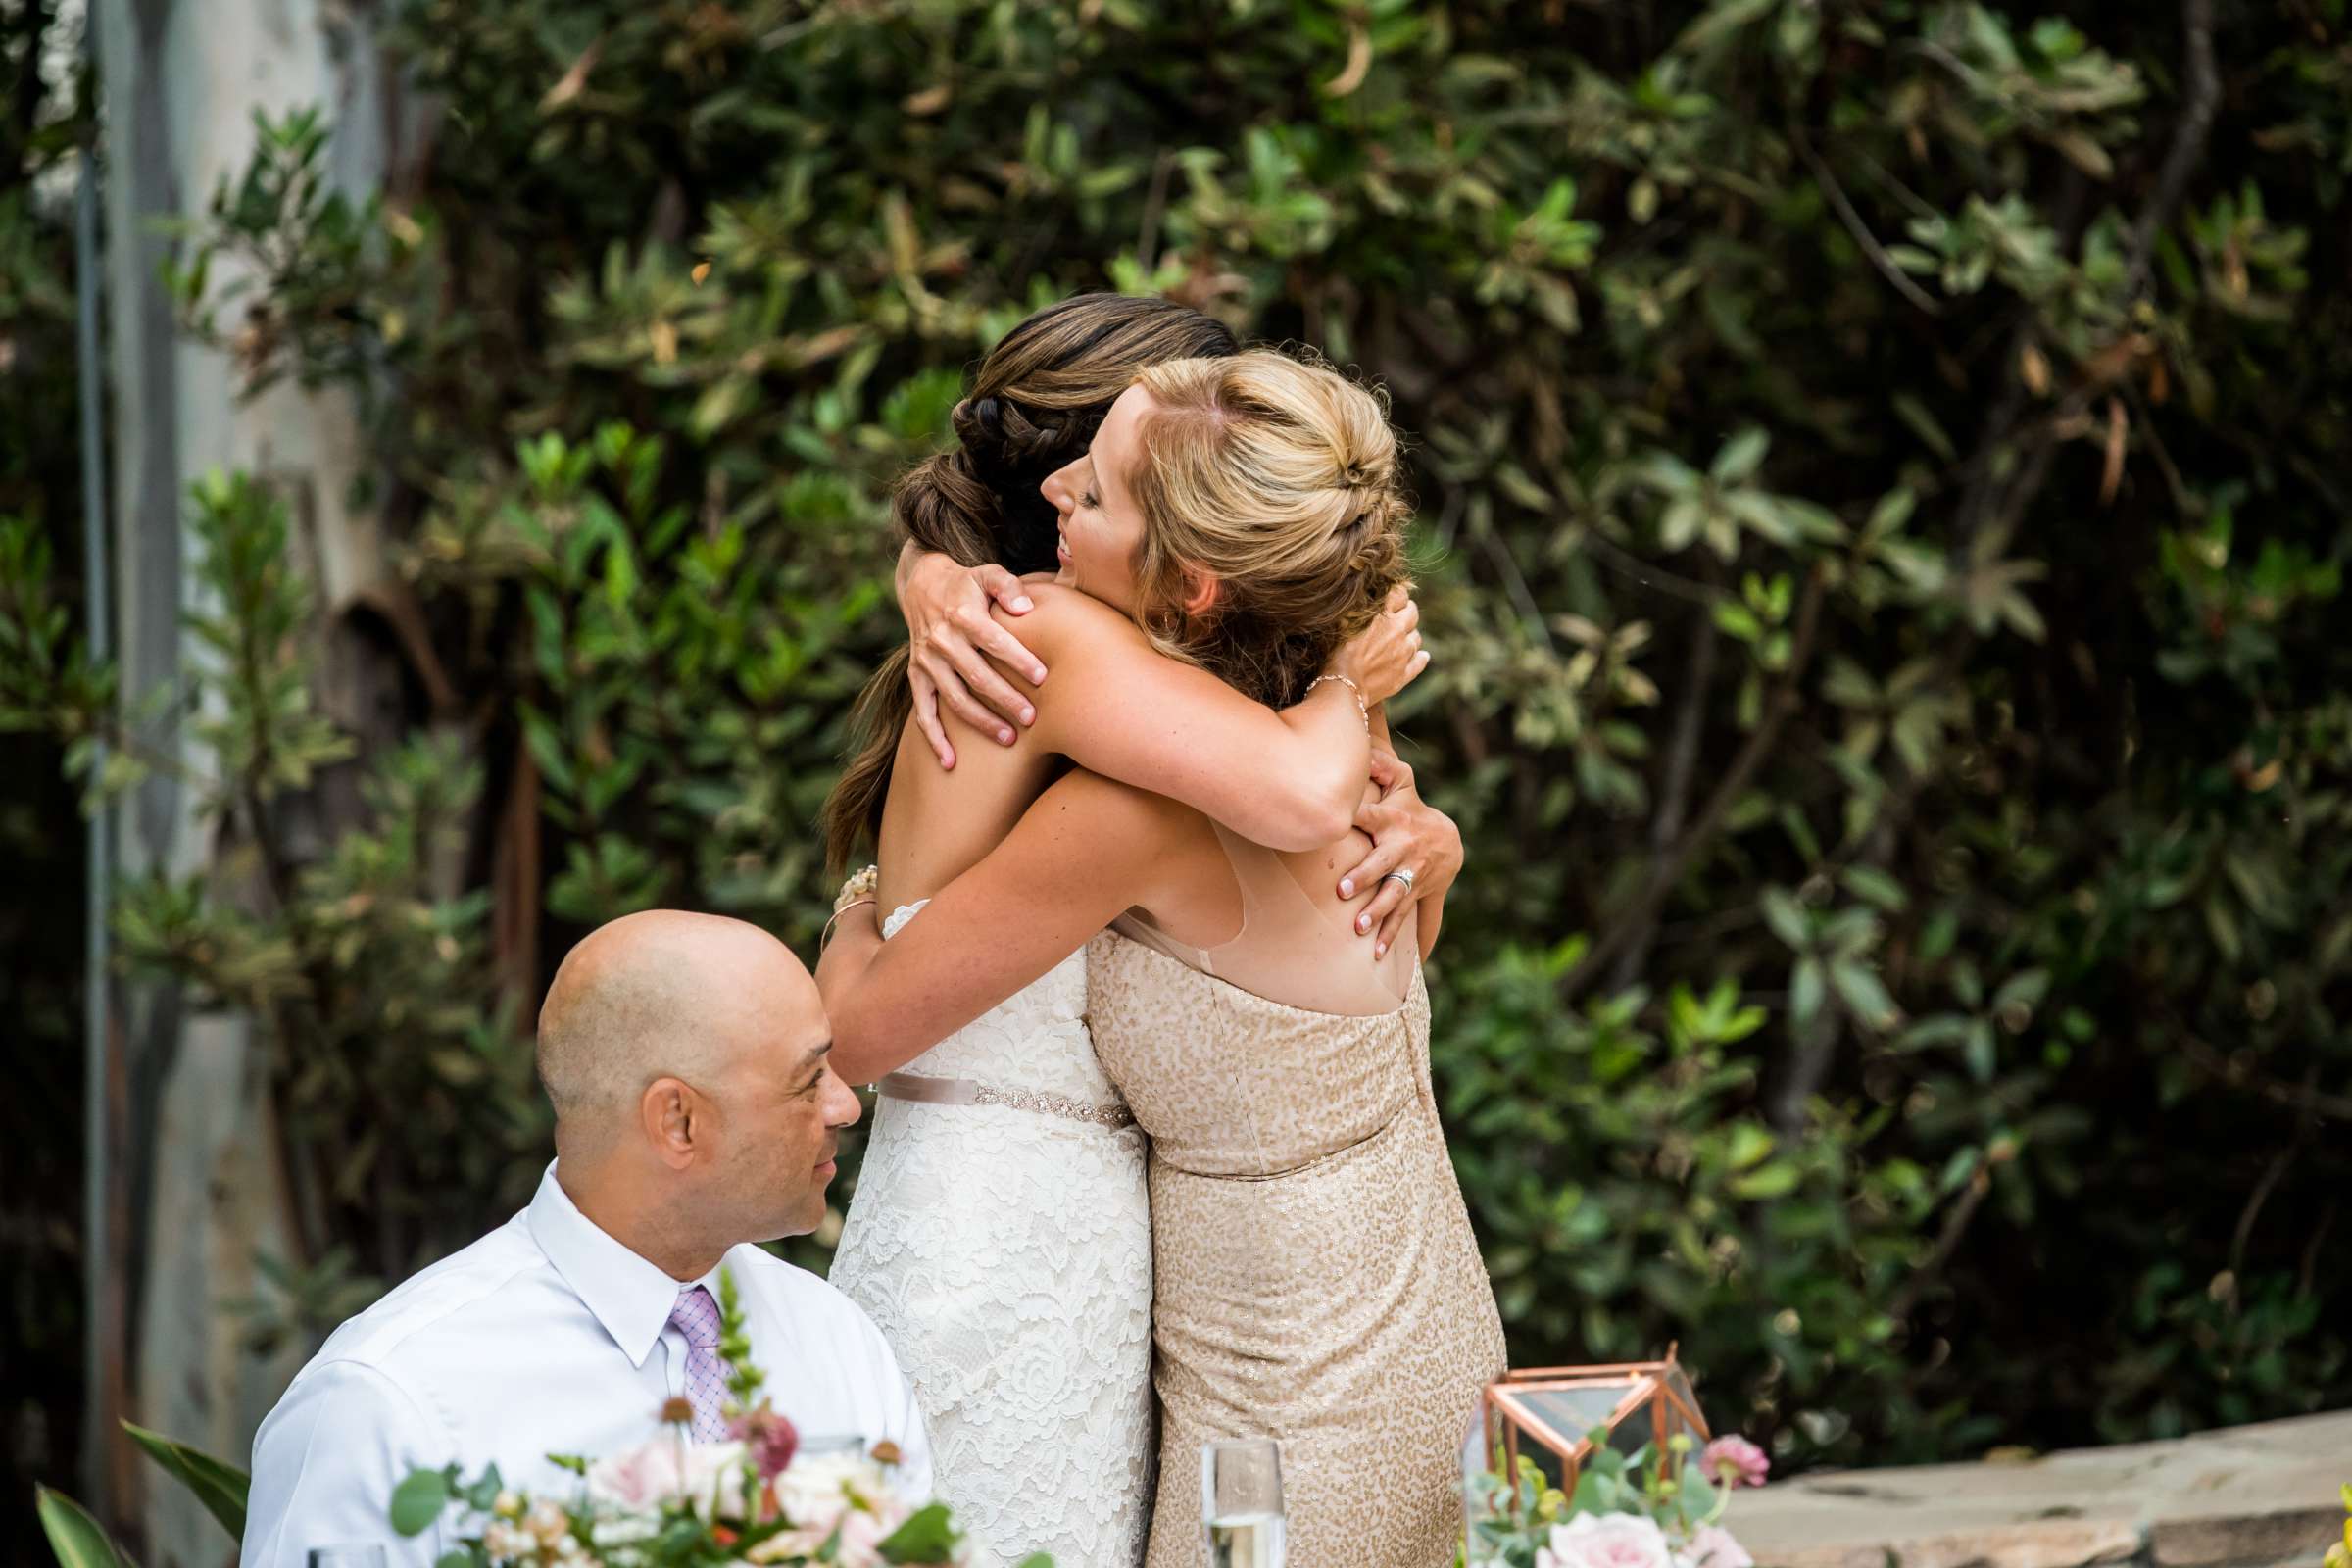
1629, 1510
761, 1496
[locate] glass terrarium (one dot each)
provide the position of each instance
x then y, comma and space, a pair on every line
1556, 1414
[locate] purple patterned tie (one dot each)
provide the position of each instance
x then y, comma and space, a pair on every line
696, 1316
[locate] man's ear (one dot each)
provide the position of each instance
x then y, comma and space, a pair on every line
1203, 591
671, 1113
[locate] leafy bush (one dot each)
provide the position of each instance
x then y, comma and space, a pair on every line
1879, 466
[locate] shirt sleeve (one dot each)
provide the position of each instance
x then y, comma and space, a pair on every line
324, 1464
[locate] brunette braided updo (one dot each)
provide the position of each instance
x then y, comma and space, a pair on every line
1035, 403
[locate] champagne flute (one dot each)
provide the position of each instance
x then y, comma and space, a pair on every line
347, 1557
1241, 1503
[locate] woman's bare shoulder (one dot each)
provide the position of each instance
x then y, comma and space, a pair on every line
1066, 616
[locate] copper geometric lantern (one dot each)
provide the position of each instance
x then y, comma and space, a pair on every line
1557, 1408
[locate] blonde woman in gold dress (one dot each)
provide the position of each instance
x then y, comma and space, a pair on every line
1315, 1276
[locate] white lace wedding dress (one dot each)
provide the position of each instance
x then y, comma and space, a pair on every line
1005, 1248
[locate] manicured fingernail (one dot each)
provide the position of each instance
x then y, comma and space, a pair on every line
1028, 715
1347, 887
1364, 924
1024, 602
1006, 736
1037, 677
1380, 949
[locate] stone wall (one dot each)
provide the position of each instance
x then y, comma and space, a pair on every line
2249, 1496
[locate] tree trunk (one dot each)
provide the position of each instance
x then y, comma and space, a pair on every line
199, 1174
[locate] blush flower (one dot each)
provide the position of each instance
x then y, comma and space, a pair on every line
640, 1481
1736, 1460
770, 1438
1607, 1540
1712, 1547
816, 1491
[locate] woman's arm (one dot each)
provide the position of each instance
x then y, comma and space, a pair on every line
1289, 780
1084, 854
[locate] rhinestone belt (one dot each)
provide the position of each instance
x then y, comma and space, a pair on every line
964, 1092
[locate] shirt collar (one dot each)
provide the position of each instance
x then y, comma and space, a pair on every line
629, 1296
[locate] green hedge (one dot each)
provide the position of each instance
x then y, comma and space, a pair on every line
1881, 477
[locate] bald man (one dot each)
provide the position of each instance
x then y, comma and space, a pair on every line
696, 1115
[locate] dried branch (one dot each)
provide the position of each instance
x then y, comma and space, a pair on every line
1989, 505
1854, 225
2305, 1099
1673, 801
1514, 581
1155, 203
1620, 559
1947, 1242
1667, 869
2188, 140
2271, 1175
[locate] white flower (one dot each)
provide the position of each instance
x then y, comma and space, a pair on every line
815, 1491
1607, 1540
506, 1542
509, 1505
709, 1475
1712, 1547
547, 1522
624, 1529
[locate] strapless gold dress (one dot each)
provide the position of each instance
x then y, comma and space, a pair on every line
1315, 1276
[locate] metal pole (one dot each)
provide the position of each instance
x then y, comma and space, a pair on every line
97, 575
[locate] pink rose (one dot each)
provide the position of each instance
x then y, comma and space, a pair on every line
1609, 1541
1736, 1460
769, 1437
1712, 1547
641, 1480
862, 1538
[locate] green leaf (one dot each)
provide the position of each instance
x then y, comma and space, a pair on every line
75, 1536
928, 1536
1741, 456
482, 1495
419, 1501
1749, 1144
1865, 993
220, 1488
1776, 1180
1914, 413
1877, 887
1786, 917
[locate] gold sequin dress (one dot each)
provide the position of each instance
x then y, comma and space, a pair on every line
1315, 1276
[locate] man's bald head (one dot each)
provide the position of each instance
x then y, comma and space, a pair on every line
695, 1106
664, 993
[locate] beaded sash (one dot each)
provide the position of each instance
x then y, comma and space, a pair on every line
964, 1092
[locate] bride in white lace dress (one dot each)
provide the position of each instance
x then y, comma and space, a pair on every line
999, 1234
1005, 1248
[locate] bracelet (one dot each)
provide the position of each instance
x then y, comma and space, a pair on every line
826, 935
1364, 711
865, 884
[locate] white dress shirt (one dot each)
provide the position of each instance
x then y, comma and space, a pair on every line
547, 1336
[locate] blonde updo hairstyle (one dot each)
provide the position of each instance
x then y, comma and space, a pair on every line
1278, 477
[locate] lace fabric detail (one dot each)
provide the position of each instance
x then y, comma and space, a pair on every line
1006, 1256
